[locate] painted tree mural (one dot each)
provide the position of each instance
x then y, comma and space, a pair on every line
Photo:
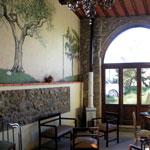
25, 17
72, 45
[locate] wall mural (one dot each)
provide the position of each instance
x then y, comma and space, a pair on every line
26, 18
71, 63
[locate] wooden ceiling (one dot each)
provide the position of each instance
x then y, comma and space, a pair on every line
121, 8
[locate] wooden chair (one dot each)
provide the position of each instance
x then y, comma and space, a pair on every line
139, 133
109, 123
85, 138
51, 127
9, 132
144, 144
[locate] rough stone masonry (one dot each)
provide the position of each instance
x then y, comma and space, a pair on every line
25, 106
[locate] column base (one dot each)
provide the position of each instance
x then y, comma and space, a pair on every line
90, 113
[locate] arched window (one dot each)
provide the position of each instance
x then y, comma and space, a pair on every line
133, 45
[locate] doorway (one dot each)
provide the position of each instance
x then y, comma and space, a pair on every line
126, 77
126, 88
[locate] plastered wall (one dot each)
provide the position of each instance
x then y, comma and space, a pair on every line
40, 61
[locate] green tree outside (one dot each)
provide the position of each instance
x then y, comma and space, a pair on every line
129, 75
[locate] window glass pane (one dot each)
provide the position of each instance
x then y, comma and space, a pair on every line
129, 86
112, 86
145, 83
127, 47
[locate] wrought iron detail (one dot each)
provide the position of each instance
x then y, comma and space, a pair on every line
89, 6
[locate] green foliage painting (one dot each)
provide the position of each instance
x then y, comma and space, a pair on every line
72, 46
25, 17
15, 77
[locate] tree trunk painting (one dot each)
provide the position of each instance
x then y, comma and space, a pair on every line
72, 47
25, 18
17, 67
72, 66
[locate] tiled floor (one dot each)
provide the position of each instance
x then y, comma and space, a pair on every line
126, 138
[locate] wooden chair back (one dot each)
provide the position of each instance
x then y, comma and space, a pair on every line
110, 123
134, 123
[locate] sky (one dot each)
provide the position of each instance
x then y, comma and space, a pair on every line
132, 45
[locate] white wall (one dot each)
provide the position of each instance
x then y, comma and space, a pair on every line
40, 61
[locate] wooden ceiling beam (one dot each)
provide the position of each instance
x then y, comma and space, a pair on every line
145, 7
115, 11
121, 8
105, 11
99, 12
79, 13
124, 7
134, 7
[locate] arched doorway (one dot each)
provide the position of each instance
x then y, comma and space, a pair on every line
126, 74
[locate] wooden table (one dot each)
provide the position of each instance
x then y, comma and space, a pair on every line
145, 120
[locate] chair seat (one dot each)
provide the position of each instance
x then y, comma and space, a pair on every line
111, 127
61, 130
85, 140
6, 145
85, 143
143, 133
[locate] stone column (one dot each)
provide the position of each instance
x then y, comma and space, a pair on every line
90, 110
90, 90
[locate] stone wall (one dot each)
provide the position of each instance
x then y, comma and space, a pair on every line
105, 30
25, 106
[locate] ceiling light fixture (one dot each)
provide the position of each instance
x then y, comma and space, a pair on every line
89, 6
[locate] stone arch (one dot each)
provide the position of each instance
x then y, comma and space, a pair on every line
105, 30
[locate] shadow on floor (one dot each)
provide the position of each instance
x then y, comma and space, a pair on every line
126, 138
